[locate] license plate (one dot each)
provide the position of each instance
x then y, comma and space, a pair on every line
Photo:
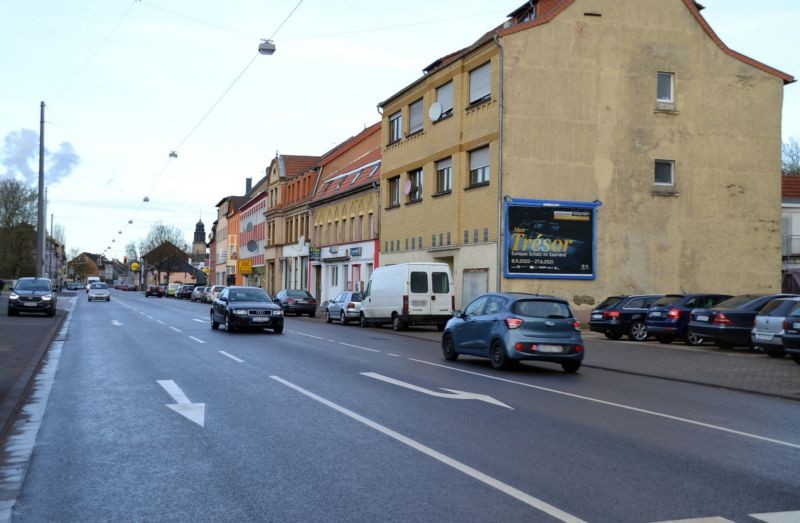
655, 314
701, 317
30, 304
597, 316
260, 320
550, 348
796, 325
764, 337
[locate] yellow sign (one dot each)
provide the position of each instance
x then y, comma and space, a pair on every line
206, 270
245, 266
135, 266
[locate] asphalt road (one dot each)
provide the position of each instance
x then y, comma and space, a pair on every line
338, 423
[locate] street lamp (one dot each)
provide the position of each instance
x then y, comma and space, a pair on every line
266, 47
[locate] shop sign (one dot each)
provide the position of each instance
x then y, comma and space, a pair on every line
355, 251
245, 266
315, 253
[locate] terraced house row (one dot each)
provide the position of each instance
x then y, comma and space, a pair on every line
582, 148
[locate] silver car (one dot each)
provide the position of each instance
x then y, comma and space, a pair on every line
99, 291
198, 294
768, 329
344, 307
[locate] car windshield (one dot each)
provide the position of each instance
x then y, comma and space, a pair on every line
541, 309
609, 302
356, 296
33, 285
667, 300
297, 294
99, 286
249, 295
737, 301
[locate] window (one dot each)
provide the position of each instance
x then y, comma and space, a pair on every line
480, 86
415, 117
479, 166
415, 181
419, 282
444, 96
441, 283
394, 191
334, 275
444, 176
369, 226
664, 91
360, 235
665, 172
395, 127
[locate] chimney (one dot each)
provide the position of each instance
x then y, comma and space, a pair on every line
248, 184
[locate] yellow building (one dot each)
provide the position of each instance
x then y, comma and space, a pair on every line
586, 148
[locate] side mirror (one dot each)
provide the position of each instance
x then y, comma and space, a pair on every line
276, 300
458, 314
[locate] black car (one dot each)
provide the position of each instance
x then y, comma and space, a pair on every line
791, 335
730, 322
297, 302
154, 290
246, 308
619, 315
32, 295
184, 292
668, 317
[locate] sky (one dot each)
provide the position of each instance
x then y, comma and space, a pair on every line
126, 82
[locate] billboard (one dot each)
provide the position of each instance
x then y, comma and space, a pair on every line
550, 239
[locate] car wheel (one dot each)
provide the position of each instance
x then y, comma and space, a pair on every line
571, 367
312, 314
51, 313
342, 318
613, 335
108, 299
12, 312
397, 322
449, 348
278, 330
694, 339
362, 321
328, 318
796, 358
214, 323
440, 327
228, 326
664, 339
637, 331
498, 355
724, 345
774, 353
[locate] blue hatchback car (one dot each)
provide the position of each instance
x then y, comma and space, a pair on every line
668, 317
511, 327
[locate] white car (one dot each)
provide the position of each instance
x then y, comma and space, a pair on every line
99, 291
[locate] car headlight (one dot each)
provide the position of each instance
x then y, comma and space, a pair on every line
278, 312
47, 297
240, 312
13, 296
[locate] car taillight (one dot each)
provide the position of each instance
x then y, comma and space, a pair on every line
351, 305
721, 319
611, 314
513, 323
452, 303
578, 348
290, 300
519, 347
786, 324
675, 314
576, 325
405, 304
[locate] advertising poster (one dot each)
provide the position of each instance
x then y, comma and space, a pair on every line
550, 239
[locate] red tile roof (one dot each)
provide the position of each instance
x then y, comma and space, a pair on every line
295, 165
362, 171
790, 186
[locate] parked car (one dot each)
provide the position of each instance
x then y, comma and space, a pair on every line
668, 317
619, 315
74, 286
297, 302
215, 290
206, 295
246, 308
729, 323
409, 294
99, 291
154, 290
197, 294
768, 327
510, 327
32, 295
184, 292
791, 335
344, 307
172, 289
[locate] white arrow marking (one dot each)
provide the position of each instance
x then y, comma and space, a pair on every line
195, 412
453, 394
115, 323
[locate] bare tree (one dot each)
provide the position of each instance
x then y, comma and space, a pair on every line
59, 234
17, 231
132, 251
17, 204
160, 233
791, 158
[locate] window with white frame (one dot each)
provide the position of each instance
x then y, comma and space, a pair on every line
395, 127
665, 88
415, 181
394, 191
444, 96
334, 275
444, 176
415, 117
479, 166
664, 172
480, 83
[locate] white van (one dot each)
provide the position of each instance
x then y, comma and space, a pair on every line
90, 280
407, 294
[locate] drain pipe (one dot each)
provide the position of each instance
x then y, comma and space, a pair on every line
500, 207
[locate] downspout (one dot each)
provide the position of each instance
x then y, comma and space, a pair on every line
500, 208
377, 185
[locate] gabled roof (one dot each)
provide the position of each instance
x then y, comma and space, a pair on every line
790, 186
359, 173
293, 166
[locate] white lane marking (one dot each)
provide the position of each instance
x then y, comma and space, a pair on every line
115, 323
175, 329
310, 336
195, 412
356, 346
395, 355
143, 314
778, 517
161, 322
199, 320
621, 406
715, 519
150, 317
453, 394
461, 467
231, 356
198, 340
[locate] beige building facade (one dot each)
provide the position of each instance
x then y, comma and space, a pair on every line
633, 109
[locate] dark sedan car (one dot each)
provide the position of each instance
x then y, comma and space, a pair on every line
791, 335
184, 292
729, 323
668, 317
619, 315
154, 290
510, 327
246, 308
32, 295
297, 302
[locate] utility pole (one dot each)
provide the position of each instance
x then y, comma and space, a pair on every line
40, 226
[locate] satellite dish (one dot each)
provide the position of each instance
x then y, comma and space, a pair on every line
252, 246
408, 187
435, 111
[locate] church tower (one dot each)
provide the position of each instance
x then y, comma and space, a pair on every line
199, 244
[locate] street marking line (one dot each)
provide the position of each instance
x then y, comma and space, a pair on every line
199, 320
394, 355
161, 322
175, 329
231, 356
150, 317
715, 519
115, 323
450, 394
142, 313
461, 467
778, 517
195, 412
198, 340
621, 406
310, 336
355, 346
